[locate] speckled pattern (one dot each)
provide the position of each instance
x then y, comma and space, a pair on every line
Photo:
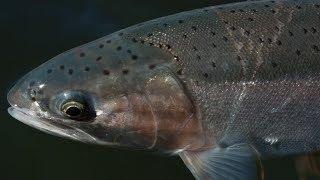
251, 69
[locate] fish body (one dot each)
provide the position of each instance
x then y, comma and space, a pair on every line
241, 78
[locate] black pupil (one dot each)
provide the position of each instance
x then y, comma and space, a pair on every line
73, 111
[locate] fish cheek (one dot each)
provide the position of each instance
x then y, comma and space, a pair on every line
129, 123
143, 127
177, 124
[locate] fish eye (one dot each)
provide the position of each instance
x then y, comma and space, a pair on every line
76, 106
73, 109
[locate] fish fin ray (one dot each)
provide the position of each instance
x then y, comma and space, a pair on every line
240, 161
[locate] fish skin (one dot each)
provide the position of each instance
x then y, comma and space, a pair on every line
251, 70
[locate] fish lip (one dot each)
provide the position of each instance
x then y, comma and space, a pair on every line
26, 117
10, 97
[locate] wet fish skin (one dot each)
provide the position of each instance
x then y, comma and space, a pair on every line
244, 73
251, 68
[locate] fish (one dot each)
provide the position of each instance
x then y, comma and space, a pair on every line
223, 87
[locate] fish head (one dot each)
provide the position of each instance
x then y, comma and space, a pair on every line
112, 91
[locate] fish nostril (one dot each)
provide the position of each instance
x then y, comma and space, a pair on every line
32, 94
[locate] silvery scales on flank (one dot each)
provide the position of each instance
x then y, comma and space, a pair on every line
223, 87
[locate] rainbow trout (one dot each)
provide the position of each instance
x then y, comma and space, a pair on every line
224, 87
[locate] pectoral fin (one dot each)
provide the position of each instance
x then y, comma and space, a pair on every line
240, 161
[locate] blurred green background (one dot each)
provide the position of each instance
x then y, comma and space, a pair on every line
33, 31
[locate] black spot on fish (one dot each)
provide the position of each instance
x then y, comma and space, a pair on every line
108, 41
250, 19
180, 21
290, 33
298, 52
125, 71
150, 34
194, 28
87, 68
106, 72
70, 71
129, 51
226, 22
316, 48
212, 33
165, 25
232, 28
194, 48
225, 38
266, 5
273, 11
205, 75
152, 66
179, 72
314, 30
82, 54
279, 43
198, 57
185, 36
274, 65
317, 5
121, 34
305, 30
214, 45
213, 64
134, 57
298, 7
247, 32
119, 48
49, 71
101, 46
62, 67
99, 58
261, 40
168, 46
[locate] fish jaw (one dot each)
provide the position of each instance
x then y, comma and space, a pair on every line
26, 117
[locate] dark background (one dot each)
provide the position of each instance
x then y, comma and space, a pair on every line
33, 31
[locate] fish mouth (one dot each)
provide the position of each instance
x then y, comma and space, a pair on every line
44, 125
